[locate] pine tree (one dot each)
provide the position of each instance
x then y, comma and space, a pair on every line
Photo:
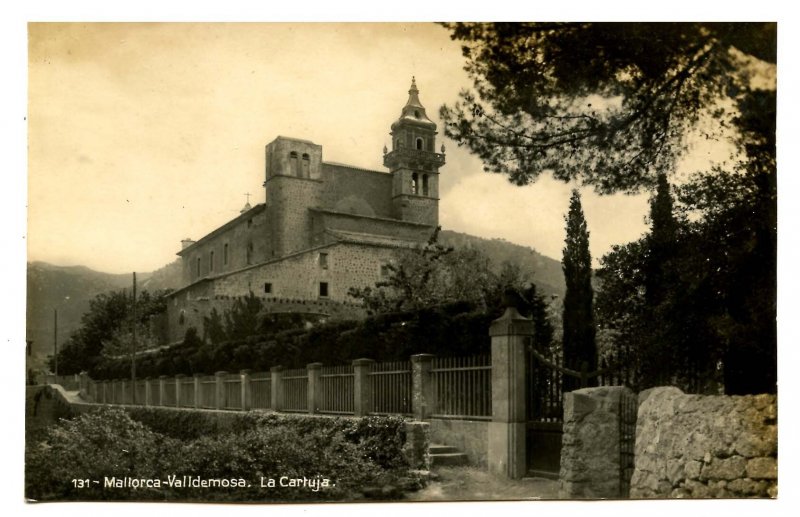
579, 333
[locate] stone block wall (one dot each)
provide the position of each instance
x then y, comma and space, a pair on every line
697, 446
469, 436
598, 436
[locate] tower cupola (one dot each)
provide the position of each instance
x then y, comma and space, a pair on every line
414, 163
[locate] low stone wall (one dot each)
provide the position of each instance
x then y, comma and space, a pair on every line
696, 446
597, 444
469, 436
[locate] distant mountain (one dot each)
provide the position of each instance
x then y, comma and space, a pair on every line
545, 272
68, 289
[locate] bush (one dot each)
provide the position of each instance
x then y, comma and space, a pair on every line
361, 457
93, 446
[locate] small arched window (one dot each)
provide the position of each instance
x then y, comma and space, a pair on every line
414, 183
424, 184
211, 261
249, 253
306, 165
198, 267
293, 165
420, 144
416, 113
225, 254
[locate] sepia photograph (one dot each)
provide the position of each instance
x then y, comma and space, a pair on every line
371, 262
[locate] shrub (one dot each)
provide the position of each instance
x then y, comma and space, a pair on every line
92, 446
361, 457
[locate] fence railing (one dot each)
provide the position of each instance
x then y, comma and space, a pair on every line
261, 391
391, 385
463, 387
336, 384
294, 390
426, 387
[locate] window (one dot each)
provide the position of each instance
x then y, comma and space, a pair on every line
268, 288
198, 267
249, 253
323, 261
249, 222
182, 317
225, 254
323, 289
424, 184
420, 143
416, 113
414, 180
306, 166
211, 261
293, 166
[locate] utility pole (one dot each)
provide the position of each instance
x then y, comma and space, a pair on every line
55, 340
133, 345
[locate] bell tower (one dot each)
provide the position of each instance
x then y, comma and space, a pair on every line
414, 163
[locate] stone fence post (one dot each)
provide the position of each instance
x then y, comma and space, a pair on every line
220, 389
148, 391
362, 387
197, 379
178, 388
507, 453
83, 385
423, 394
314, 392
124, 388
247, 390
597, 445
162, 389
276, 393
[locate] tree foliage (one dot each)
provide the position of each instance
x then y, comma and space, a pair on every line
106, 329
433, 274
578, 318
609, 104
698, 304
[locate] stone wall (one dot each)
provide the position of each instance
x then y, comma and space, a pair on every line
597, 442
469, 436
249, 229
696, 446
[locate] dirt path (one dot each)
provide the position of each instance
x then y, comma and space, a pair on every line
471, 484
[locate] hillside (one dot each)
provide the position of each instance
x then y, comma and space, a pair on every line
545, 272
69, 289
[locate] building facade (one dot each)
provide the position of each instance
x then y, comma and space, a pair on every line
324, 227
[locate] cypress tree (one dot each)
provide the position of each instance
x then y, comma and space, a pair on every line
664, 352
661, 243
579, 333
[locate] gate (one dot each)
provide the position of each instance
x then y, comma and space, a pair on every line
544, 410
544, 378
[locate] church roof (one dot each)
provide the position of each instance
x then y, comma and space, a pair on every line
371, 239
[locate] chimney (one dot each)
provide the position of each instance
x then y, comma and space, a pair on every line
185, 243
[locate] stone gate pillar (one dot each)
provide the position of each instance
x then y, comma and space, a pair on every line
509, 333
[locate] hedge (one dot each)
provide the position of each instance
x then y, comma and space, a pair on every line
455, 329
361, 458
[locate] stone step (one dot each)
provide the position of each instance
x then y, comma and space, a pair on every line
448, 459
436, 448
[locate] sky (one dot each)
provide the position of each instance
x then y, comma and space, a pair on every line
141, 135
